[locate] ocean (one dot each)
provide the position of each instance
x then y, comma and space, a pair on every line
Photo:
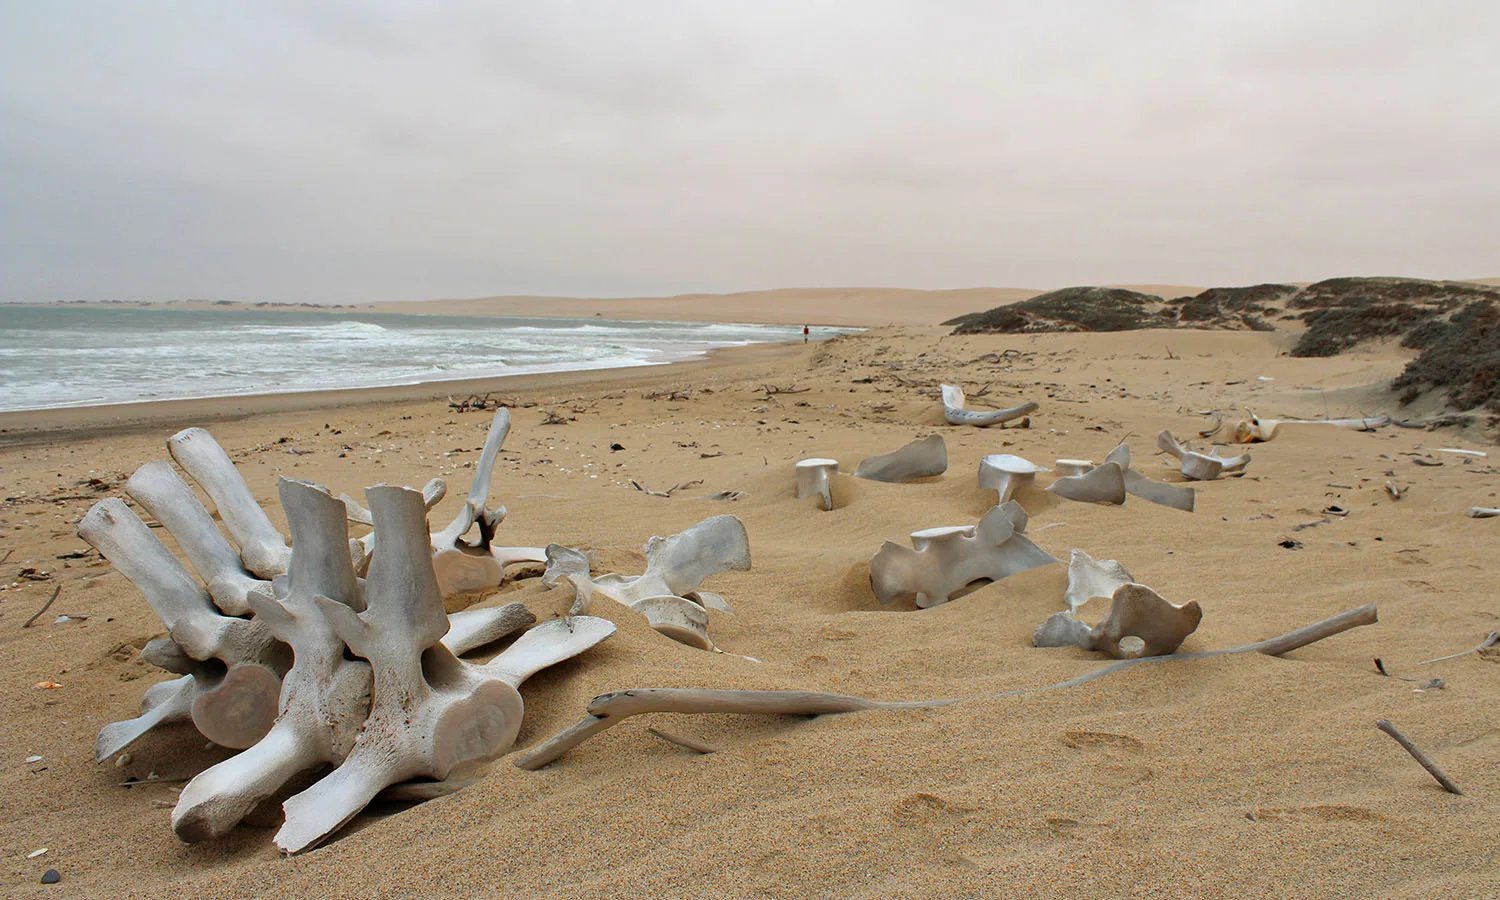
71, 355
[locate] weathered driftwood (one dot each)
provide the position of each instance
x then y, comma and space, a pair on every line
668, 593
1004, 473
813, 479
1256, 429
942, 561
430, 710
955, 409
1201, 466
921, 458
1417, 754
612, 708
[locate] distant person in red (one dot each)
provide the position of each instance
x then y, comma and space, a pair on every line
804, 334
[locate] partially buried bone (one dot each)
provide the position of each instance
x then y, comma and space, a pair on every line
667, 593
944, 560
463, 567
1004, 473
237, 710
919, 459
1101, 484
813, 479
1201, 466
1140, 622
1138, 485
1073, 466
325, 695
1483, 512
1256, 429
430, 710
956, 413
614, 707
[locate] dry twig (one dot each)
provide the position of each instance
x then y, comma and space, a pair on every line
1419, 756
45, 606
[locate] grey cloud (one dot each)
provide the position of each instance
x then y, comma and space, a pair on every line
389, 150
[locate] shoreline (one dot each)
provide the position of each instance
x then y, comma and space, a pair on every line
37, 426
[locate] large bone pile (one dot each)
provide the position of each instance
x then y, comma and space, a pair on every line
329, 651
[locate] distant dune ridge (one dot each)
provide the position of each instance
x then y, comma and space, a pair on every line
1455, 325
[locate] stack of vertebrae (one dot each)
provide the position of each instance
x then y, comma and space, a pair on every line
260, 644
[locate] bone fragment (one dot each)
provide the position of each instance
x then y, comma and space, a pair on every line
1102, 484
164, 703
1201, 466
1137, 485
944, 560
813, 479
1089, 578
1256, 429
667, 593
921, 458
609, 709
1067, 467
463, 567
262, 547
1483, 512
954, 411
1004, 473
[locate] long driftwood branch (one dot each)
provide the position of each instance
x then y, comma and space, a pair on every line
609, 709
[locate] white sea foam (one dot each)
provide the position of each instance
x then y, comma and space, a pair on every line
73, 356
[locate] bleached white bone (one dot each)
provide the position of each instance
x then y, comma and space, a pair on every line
1067, 467
163, 703
464, 567
262, 547
1140, 623
1089, 578
1137, 485
430, 710
813, 479
1201, 466
942, 561
156, 487
675, 568
325, 696
1257, 429
955, 409
1483, 512
1004, 473
1102, 484
919, 459
238, 710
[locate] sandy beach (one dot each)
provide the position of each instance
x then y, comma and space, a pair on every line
1224, 777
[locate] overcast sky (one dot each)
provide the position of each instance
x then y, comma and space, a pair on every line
390, 150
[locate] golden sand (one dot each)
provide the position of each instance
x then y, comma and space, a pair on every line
1221, 777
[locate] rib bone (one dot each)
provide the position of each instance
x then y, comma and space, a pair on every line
955, 413
241, 707
919, 459
262, 547
944, 560
1256, 429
